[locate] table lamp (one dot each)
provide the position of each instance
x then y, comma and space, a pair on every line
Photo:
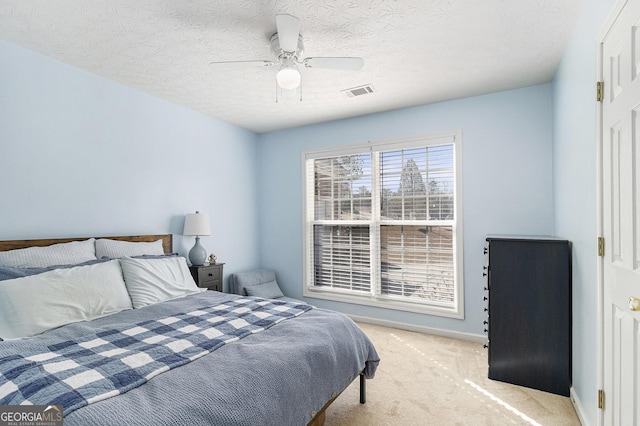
197, 224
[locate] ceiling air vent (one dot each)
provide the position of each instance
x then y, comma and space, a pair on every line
367, 89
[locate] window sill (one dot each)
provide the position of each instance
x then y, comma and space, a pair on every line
386, 303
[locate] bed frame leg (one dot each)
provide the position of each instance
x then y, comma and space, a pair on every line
363, 389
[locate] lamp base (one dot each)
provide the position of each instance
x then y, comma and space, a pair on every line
197, 254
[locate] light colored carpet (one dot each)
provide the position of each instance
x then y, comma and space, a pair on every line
424, 380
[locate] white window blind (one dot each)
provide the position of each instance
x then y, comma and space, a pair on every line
417, 184
342, 188
342, 257
417, 262
381, 225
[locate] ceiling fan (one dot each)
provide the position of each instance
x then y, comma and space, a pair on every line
287, 45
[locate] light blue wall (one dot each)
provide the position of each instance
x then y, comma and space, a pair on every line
81, 155
507, 183
574, 168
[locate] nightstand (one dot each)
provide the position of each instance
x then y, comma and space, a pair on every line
208, 276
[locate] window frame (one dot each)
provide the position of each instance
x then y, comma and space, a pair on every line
373, 298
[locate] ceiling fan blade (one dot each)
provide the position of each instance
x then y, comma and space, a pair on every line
242, 64
288, 31
353, 64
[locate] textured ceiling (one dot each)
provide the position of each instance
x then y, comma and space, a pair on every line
415, 51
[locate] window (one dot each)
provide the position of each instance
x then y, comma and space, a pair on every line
383, 225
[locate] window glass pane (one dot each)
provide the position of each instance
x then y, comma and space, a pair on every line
343, 188
417, 262
417, 184
441, 183
342, 257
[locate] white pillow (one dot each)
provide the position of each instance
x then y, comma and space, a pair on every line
56, 254
37, 303
116, 249
151, 281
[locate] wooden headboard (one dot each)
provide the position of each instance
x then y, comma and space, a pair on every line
167, 241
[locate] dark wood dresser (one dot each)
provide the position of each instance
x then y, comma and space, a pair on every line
529, 306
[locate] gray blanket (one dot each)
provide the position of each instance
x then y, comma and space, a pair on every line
281, 376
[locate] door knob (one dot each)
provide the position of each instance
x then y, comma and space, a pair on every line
634, 304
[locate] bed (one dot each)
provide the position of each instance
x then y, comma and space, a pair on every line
201, 357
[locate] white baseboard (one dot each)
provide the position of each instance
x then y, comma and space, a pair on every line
477, 338
577, 406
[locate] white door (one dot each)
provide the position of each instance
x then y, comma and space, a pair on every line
621, 216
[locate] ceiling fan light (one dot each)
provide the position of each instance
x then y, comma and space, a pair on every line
288, 78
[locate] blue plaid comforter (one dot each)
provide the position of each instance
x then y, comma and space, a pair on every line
78, 372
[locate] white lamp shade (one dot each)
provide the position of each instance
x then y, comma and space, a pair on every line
196, 224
